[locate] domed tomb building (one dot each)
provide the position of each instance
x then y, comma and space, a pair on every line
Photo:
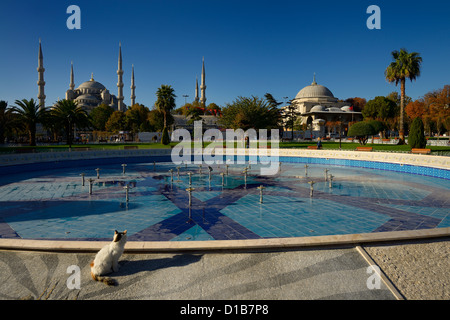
322, 112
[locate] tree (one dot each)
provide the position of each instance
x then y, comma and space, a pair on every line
273, 103
438, 106
405, 65
357, 103
68, 114
382, 109
165, 139
116, 123
100, 115
136, 118
165, 100
214, 109
396, 97
246, 113
415, 109
30, 114
156, 120
194, 114
290, 115
416, 138
361, 130
6, 120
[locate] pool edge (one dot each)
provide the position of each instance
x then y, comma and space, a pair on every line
220, 245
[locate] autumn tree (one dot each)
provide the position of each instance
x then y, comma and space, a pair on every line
438, 103
415, 109
117, 122
357, 103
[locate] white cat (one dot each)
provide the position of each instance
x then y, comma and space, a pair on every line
107, 259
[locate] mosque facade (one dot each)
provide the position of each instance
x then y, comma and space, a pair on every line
91, 94
323, 113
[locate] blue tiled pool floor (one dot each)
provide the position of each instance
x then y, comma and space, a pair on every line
53, 204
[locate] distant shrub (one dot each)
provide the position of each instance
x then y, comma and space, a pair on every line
165, 140
416, 138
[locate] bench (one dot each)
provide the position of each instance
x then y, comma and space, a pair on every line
364, 148
313, 147
81, 149
421, 151
130, 147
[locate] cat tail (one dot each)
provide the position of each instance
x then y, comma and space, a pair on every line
106, 280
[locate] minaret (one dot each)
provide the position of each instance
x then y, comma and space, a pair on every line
41, 82
133, 96
203, 86
120, 82
72, 83
196, 90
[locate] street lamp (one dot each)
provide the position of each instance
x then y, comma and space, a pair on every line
185, 96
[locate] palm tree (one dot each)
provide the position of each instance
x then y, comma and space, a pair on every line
405, 65
166, 100
30, 114
68, 114
6, 119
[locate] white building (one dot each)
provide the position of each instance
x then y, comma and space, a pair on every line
322, 112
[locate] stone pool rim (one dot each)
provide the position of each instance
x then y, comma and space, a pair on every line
433, 166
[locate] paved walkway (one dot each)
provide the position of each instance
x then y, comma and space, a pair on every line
303, 274
413, 269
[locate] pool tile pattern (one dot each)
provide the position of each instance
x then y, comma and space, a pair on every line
54, 205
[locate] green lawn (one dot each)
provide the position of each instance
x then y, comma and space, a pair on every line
327, 145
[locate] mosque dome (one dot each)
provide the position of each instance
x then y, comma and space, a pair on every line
314, 91
91, 86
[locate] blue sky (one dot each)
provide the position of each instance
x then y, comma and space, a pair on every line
250, 47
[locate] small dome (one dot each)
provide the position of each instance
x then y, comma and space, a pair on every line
87, 97
318, 108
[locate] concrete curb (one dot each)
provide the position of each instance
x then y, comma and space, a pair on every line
219, 245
